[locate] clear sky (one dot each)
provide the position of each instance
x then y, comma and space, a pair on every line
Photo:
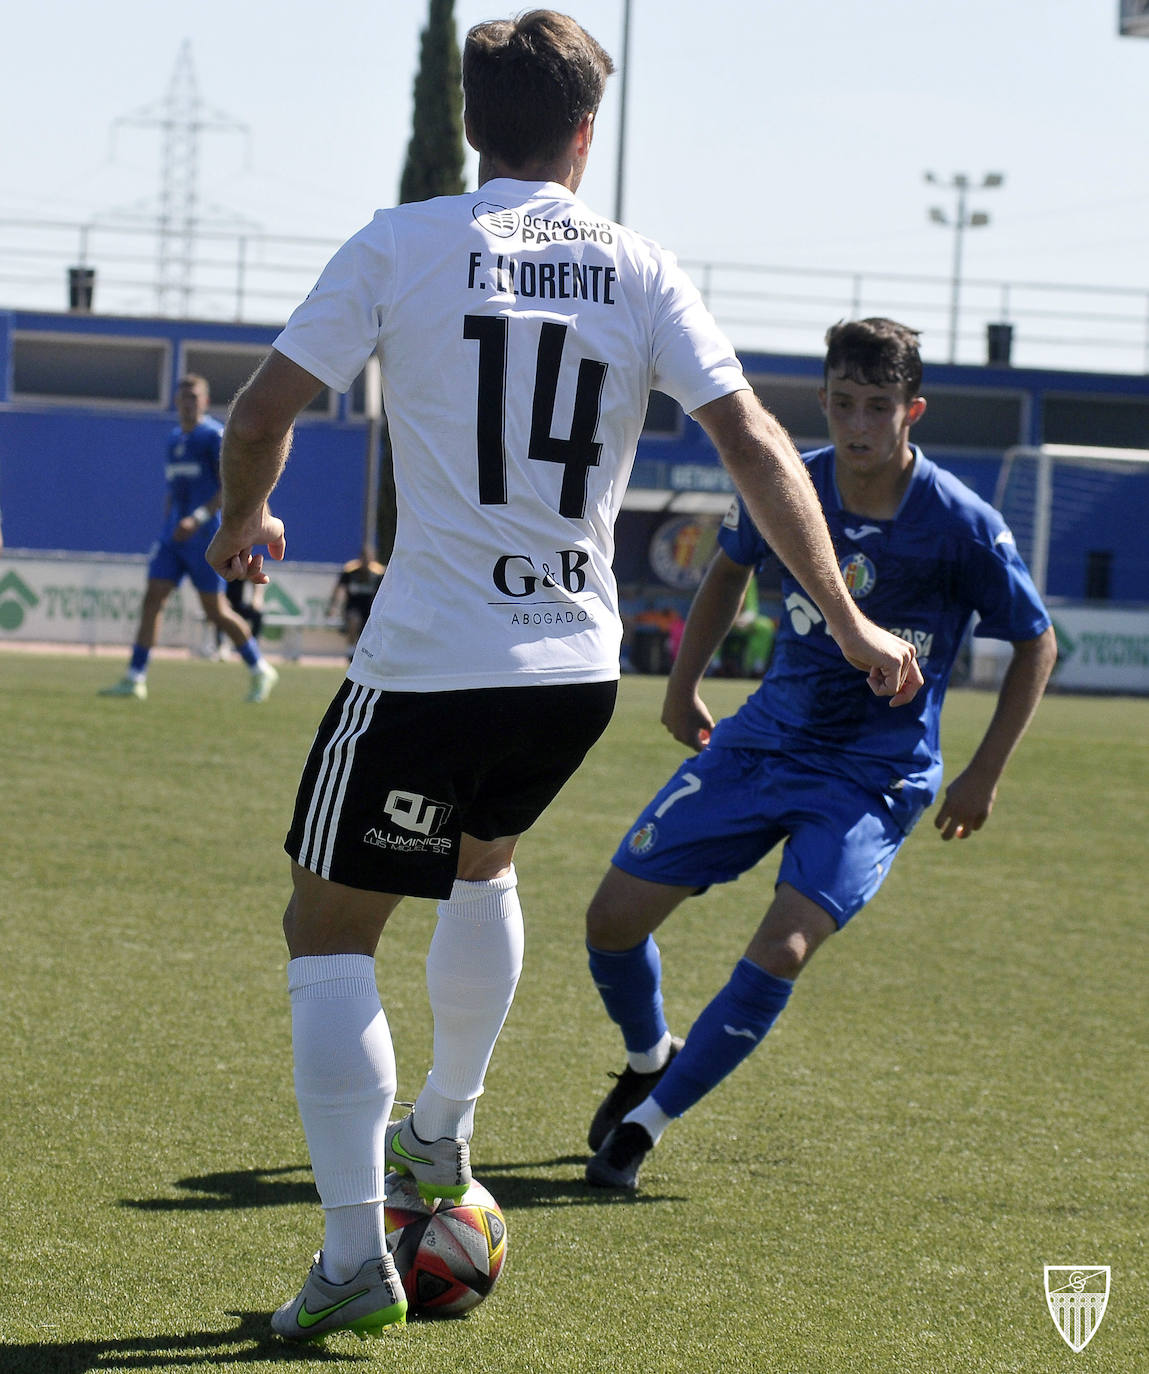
791, 133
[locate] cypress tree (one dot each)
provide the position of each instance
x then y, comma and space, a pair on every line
434, 165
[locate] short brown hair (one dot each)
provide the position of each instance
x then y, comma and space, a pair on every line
527, 83
194, 380
875, 352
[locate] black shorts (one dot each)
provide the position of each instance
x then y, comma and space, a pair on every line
360, 606
394, 778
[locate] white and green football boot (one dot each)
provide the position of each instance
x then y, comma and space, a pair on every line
366, 1305
441, 1168
263, 679
127, 687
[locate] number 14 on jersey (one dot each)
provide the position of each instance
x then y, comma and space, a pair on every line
577, 453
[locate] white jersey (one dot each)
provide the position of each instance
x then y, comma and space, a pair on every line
519, 336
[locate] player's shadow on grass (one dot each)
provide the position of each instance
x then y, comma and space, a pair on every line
248, 1342
516, 1188
235, 1188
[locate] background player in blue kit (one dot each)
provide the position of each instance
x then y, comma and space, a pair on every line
812, 757
191, 518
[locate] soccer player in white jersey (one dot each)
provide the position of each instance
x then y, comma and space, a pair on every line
807, 760
519, 335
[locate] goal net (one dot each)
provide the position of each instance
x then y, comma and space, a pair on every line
1073, 512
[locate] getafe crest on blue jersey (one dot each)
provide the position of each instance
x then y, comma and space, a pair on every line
945, 558
192, 468
859, 575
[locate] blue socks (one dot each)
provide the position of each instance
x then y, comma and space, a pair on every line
728, 1029
724, 1034
630, 985
138, 665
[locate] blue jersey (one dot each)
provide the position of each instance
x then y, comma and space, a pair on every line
192, 471
945, 555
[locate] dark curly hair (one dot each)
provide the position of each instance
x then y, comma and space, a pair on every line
875, 352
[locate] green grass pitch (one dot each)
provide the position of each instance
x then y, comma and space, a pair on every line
955, 1097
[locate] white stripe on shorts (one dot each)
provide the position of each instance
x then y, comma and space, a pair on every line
322, 823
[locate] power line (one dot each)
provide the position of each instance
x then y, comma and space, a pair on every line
181, 117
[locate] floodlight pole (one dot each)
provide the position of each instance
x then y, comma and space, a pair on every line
620, 163
961, 222
955, 286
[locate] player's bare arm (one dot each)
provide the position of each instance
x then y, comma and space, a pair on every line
770, 474
970, 797
712, 613
256, 443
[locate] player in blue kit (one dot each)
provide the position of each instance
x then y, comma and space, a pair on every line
812, 758
191, 518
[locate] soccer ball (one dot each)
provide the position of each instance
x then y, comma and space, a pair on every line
449, 1255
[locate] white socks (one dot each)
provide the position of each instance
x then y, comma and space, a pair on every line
345, 1087
650, 1116
651, 1060
473, 966
345, 1062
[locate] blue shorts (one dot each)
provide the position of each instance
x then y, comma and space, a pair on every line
725, 809
172, 561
